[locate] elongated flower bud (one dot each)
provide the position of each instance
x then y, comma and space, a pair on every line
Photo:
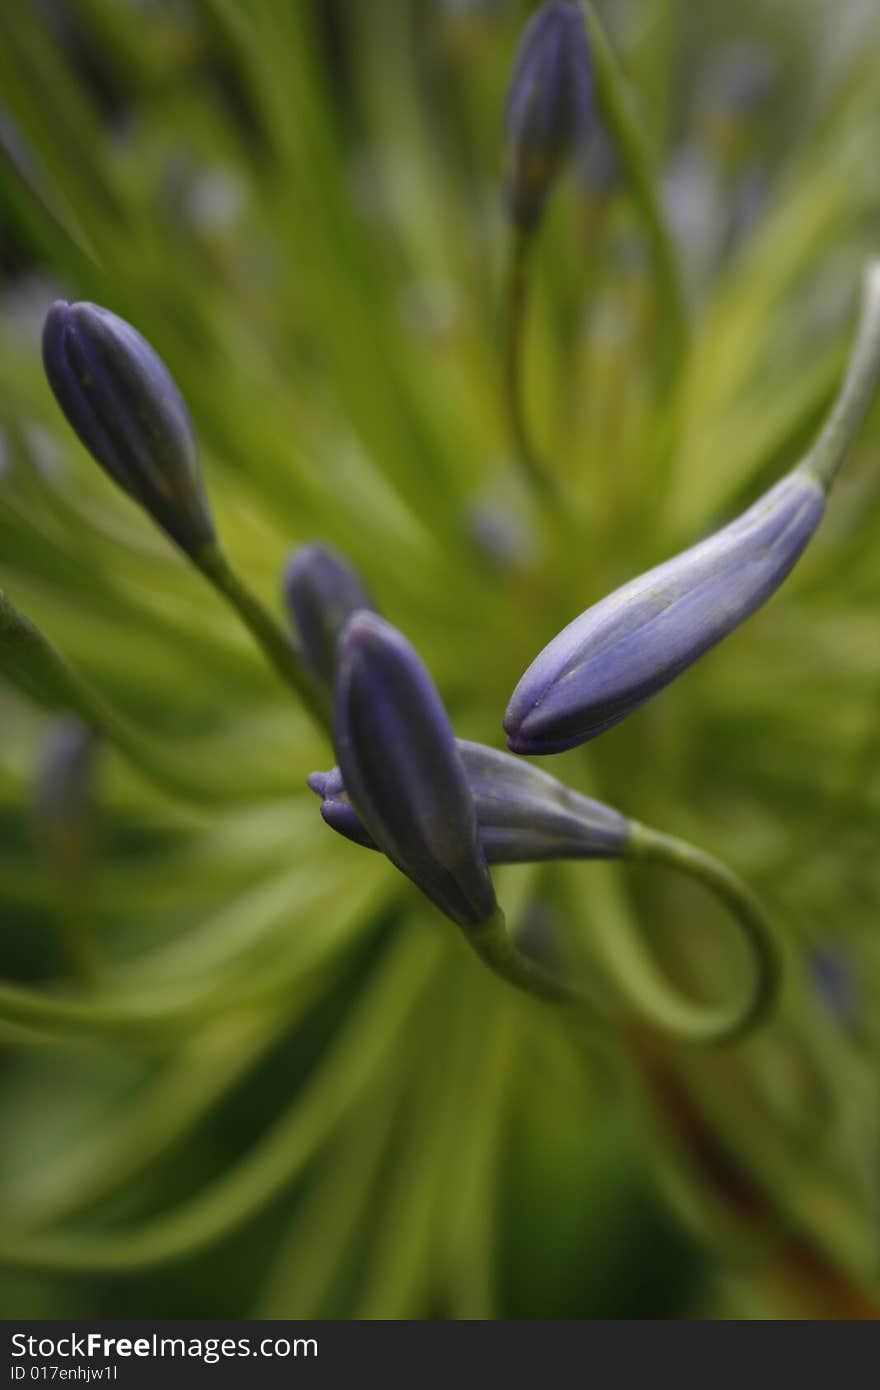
322, 591
630, 645
549, 109
402, 769
523, 814
122, 402
625, 648
63, 810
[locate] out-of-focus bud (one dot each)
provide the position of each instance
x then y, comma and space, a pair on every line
122, 402
322, 591
834, 979
735, 95
630, 645
523, 814
549, 111
63, 806
403, 772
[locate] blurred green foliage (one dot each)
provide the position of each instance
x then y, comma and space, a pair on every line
290, 1091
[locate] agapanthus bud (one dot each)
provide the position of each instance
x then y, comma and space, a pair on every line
322, 591
121, 400
523, 814
63, 810
336, 808
549, 109
630, 645
403, 772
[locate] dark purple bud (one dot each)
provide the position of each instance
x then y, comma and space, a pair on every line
523, 814
630, 645
402, 769
341, 816
322, 591
549, 111
63, 809
122, 402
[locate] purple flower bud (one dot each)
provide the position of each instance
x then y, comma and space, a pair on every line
322, 591
523, 814
336, 808
630, 645
549, 109
403, 772
122, 402
63, 809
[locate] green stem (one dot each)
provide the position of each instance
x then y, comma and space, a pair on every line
708, 1023
29, 661
616, 107
533, 468
493, 944
277, 646
74, 917
857, 390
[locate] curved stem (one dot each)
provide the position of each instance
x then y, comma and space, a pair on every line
709, 1023
857, 390
533, 468
492, 942
276, 645
30, 661
616, 107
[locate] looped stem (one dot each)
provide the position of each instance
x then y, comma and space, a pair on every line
493, 944
708, 1023
653, 996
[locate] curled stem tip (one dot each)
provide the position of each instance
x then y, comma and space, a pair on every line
721, 1023
857, 389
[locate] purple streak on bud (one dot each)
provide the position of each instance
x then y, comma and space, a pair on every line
322, 591
630, 645
121, 400
523, 814
63, 809
549, 110
401, 768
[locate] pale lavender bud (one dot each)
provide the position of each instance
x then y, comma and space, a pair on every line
630, 645
322, 590
523, 814
403, 772
122, 402
549, 111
